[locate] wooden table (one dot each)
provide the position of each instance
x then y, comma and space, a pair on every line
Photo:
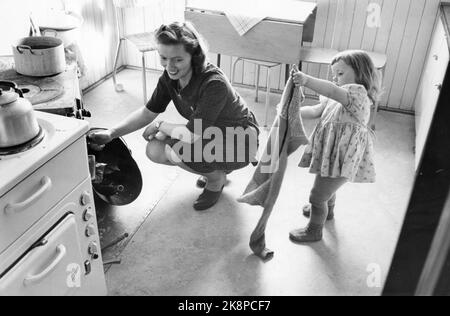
278, 38
64, 104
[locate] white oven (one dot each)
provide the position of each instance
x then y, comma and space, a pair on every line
49, 241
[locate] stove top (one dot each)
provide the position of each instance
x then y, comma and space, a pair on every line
40, 90
60, 132
23, 147
55, 94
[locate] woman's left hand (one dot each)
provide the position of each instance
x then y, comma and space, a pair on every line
150, 132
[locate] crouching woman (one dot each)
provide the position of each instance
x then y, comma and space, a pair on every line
221, 135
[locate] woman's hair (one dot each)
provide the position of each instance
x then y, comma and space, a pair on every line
185, 34
365, 71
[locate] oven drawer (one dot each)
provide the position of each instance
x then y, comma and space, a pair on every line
24, 205
53, 268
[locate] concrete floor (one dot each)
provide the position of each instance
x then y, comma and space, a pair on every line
177, 251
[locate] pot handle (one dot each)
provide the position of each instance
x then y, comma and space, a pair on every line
50, 32
19, 92
20, 49
12, 86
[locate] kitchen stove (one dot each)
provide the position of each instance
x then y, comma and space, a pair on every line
49, 241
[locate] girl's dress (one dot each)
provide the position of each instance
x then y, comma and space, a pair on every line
342, 143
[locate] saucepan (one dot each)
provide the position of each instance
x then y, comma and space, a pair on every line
117, 179
39, 56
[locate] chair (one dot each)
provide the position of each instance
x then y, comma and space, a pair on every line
258, 64
144, 42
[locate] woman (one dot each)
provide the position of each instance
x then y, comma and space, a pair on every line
221, 134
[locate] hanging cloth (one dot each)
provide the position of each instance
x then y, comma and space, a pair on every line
243, 23
286, 136
244, 15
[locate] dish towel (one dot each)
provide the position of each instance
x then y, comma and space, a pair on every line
245, 15
243, 23
286, 136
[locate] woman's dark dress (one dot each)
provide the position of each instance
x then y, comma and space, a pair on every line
210, 99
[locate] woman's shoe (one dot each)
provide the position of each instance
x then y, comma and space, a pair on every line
307, 212
207, 200
201, 182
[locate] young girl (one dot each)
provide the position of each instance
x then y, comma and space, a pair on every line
341, 148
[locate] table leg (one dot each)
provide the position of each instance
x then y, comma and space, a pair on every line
219, 57
266, 118
288, 69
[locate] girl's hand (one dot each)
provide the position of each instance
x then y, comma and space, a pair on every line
150, 132
161, 136
298, 77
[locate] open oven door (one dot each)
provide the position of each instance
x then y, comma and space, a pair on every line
52, 267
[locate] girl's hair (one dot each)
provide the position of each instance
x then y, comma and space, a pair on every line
365, 71
185, 34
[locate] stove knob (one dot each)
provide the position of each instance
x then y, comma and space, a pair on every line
94, 250
90, 230
87, 267
88, 214
85, 199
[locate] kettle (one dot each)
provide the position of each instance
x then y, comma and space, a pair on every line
18, 122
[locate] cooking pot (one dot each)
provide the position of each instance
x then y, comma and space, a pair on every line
62, 25
39, 56
121, 180
18, 122
68, 37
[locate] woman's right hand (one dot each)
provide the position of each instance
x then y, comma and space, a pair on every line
101, 137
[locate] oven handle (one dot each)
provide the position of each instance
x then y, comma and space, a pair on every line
61, 251
46, 184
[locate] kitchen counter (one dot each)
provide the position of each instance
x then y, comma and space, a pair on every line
445, 16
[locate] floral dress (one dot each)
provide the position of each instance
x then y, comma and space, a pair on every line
342, 143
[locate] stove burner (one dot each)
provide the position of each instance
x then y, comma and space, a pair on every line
39, 91
23, 147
